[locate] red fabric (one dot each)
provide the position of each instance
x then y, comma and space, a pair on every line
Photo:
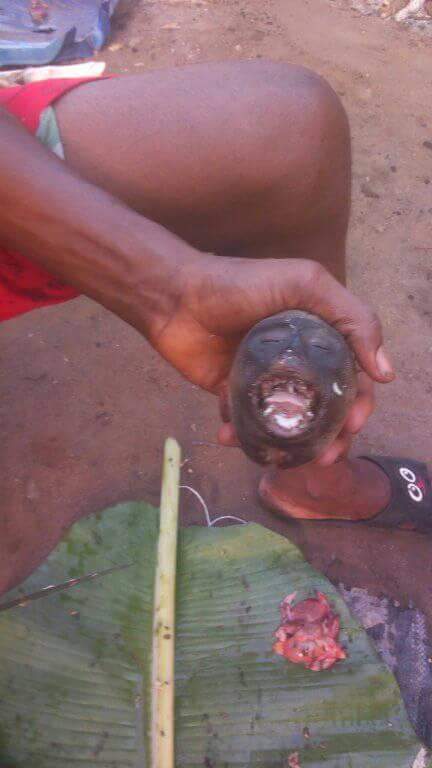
24, 285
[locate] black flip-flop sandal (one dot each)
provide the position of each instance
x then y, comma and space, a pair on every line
410, 506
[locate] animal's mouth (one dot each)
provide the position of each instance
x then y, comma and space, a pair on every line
288, 405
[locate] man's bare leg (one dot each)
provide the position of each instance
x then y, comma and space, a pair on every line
249, 159
245, 158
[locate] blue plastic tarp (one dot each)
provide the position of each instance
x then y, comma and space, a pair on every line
70, 29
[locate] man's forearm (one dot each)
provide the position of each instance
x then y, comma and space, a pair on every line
83, 235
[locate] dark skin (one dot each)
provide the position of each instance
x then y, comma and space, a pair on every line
249, 161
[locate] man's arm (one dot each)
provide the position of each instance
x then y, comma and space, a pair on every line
84, 236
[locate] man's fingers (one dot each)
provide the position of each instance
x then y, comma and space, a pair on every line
364, 333
227, 436
325, 296
363, 405
357, 417
339, 449
362, 328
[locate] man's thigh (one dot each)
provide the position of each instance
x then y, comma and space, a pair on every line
226, 155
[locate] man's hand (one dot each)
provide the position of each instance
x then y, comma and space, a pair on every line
220, 299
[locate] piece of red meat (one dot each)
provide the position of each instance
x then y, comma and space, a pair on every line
309, 633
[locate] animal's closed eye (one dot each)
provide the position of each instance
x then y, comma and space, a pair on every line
320, 345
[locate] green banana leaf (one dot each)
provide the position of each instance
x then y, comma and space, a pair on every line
74, 666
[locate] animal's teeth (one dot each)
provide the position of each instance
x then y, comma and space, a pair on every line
269, 410
287, 422
286, 397
336, 389
291, 388
309, 413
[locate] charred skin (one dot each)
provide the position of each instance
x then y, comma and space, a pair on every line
291, 384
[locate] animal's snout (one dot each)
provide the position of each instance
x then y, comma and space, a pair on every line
287, 404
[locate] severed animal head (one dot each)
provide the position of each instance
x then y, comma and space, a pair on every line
291, 384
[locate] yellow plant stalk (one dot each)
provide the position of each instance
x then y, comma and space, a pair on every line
162, 702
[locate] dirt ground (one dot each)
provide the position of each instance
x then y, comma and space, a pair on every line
86, 405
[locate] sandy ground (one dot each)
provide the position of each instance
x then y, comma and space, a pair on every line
86, 405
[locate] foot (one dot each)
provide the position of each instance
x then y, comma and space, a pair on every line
348, 490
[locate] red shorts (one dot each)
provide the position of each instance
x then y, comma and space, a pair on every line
24, 285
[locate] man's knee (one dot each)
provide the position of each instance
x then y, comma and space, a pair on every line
302, 120
297, 163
